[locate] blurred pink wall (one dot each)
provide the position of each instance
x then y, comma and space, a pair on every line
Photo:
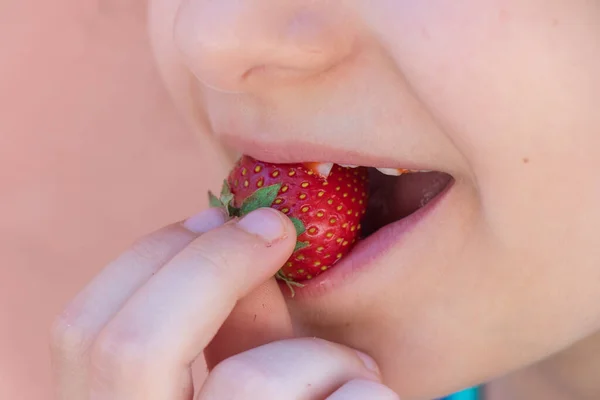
91, 156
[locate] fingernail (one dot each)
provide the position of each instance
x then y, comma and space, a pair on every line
205, 221
264, 222
369, 363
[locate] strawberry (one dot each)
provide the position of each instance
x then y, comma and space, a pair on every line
326, 210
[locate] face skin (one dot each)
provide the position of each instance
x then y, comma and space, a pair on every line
500, 94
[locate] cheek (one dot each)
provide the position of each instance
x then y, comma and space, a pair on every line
514, 87
516, 90
178, 80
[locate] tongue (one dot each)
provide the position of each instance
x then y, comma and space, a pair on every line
392, 198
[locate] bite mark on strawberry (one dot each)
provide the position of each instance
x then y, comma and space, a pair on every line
325, 210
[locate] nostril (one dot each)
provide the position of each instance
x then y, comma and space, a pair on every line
233, 47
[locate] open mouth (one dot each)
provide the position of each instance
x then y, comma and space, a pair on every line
345, 215
392, 198
342, 238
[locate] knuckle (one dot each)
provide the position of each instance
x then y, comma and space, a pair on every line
151, 248
213, 260
240, 377
69, 337
118, 357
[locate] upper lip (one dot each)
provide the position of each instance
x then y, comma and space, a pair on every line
297, 151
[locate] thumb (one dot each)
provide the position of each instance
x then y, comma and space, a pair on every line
259, 318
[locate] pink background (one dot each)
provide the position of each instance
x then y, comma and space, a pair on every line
92, 155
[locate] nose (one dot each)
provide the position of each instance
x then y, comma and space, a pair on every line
237, 45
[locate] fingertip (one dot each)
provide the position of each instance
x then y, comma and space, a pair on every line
267, 223
369, 363
205, 221
248, 250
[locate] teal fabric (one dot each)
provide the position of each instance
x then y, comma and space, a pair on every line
469, 394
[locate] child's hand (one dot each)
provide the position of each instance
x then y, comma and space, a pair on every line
135, 330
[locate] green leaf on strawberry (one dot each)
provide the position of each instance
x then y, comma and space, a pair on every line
225, 189
300, 229
226, 195
225, 201
263, 197
300, 245
214, 201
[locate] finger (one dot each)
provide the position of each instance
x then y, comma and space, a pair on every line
261, 317
360, 389
79, 324
145, 351
303, 368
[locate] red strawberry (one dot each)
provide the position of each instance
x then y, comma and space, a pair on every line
325, 210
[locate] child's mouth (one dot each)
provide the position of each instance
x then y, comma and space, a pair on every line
335, 243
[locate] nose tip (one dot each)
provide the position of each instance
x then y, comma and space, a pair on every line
233, 45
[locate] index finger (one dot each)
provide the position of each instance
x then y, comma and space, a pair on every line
146, 350
76, 328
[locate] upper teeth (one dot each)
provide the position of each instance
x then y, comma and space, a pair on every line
324, 169
386, 171
390, 171
400, 171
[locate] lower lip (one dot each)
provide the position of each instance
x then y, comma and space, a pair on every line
366, 252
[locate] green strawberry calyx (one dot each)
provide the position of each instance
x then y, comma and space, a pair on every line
263, 197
